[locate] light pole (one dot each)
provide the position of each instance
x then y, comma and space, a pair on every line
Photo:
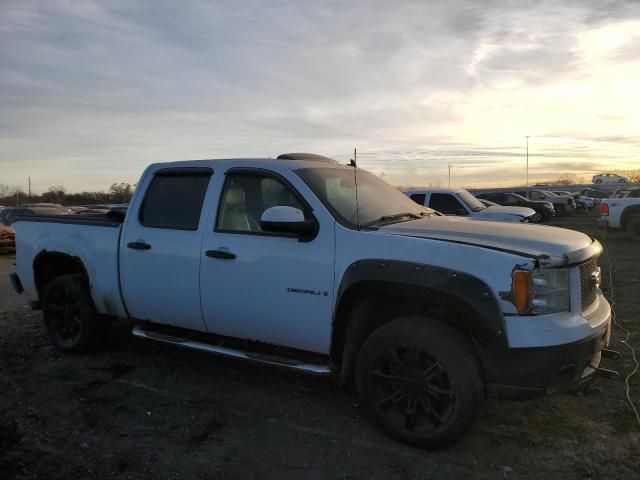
527, 137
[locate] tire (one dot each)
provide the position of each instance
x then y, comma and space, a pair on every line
632, 228
536, 218
420, 381
70, 317
598, 181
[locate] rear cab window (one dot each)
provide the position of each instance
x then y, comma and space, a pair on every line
174, 200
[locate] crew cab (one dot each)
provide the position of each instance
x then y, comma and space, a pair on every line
460, 202
543, 209
621, 214
303, 263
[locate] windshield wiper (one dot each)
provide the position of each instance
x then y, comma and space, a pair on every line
396, 216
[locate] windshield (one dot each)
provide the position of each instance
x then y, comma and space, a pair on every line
472, 202
376, 198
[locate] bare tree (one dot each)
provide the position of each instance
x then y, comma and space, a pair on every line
55, 194
10, 194
121, 192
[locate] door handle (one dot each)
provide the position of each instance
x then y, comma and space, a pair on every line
221, 254
139, 246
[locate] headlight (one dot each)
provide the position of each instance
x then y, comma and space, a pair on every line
540, 292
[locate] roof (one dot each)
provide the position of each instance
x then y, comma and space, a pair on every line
435, 190
291, 161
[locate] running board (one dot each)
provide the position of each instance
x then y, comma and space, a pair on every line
230, 352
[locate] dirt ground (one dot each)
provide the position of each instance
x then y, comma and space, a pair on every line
144, 410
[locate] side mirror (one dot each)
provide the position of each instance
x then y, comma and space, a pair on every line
291, 220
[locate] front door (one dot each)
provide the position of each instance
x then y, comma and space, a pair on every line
263, 286
160, 249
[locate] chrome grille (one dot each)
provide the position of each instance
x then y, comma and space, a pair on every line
589, 282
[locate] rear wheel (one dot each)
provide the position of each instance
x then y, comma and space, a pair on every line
420, 381
70, 317
633, 228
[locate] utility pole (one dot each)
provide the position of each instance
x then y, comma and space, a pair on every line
449, 175
29, 188
527, 137
355, 156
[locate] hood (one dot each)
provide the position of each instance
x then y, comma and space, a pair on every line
501, 210
557, 245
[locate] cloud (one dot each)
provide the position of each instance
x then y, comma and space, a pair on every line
93, 91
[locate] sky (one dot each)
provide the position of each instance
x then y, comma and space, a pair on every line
92, 92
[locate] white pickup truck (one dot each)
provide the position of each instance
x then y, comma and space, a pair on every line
621, 214
460, 202
283, 261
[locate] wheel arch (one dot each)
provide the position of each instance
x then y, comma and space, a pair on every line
48, 265
374, 292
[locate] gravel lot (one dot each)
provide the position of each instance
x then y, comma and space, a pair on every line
142, 410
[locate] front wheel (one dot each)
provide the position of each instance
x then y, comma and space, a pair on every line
420, 381
70, 317
536, 217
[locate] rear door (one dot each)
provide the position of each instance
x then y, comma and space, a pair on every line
160, 248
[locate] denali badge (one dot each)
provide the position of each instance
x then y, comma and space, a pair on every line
307, 292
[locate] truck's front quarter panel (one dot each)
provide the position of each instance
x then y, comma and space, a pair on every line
529, 353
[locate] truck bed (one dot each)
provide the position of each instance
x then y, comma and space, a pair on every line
93, 240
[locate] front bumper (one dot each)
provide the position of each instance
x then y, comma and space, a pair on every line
535, 370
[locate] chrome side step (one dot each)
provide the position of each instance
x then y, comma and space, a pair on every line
230, 352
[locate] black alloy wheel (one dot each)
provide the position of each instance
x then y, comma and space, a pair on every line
70, 316
420, 381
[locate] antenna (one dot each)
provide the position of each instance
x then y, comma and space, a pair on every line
355, 181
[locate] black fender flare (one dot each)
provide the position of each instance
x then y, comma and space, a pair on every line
442, 286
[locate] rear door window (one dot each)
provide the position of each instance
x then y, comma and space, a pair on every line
445, 203
174, 201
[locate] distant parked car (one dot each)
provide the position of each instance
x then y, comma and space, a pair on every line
543, 209
595, 193
583, 202
609, 178
9, 217
93, 211
458, 201
563, 205
7, 240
